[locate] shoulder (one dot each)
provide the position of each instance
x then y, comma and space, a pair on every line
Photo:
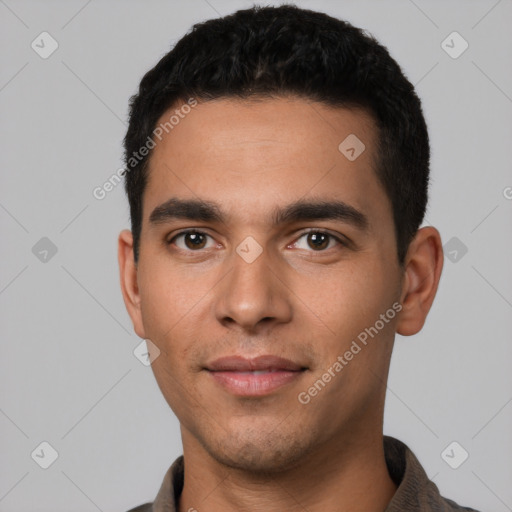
415, 491
169, 492
456, 507
147, 507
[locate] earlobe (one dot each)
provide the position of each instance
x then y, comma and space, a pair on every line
128, 278
423, 266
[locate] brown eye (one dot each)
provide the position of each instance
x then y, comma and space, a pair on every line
318, 240
194, 240
190, 240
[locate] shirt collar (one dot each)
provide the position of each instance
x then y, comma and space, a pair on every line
415, 491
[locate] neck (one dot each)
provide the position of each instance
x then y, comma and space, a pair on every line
351, 477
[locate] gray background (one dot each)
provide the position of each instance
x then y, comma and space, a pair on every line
68, 373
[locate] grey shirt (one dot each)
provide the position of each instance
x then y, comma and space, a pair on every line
415, 493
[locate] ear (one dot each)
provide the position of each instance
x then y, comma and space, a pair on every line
423, 266
129, 284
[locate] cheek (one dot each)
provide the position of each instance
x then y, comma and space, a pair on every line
347, 296
167, 296
173, 306
346, 305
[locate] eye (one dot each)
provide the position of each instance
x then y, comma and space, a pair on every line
191, 240
319, 241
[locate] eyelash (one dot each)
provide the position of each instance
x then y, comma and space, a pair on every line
311, 230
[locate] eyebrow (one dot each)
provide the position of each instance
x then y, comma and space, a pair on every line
301, 210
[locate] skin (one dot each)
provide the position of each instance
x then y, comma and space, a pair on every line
295, 301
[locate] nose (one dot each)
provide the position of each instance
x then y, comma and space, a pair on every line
254, 295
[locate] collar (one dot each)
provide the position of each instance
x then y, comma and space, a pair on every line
415, 493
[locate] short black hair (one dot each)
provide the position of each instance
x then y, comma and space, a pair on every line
281, 51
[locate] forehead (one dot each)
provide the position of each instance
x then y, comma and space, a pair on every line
254, 154
280, 120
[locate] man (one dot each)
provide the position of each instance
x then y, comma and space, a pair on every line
277, 166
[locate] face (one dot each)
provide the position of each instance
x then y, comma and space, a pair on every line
292, 255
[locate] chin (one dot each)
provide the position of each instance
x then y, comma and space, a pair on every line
259, 454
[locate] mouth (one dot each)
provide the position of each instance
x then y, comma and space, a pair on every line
254, 377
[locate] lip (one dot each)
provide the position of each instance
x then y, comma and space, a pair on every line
260, 363
256, 376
